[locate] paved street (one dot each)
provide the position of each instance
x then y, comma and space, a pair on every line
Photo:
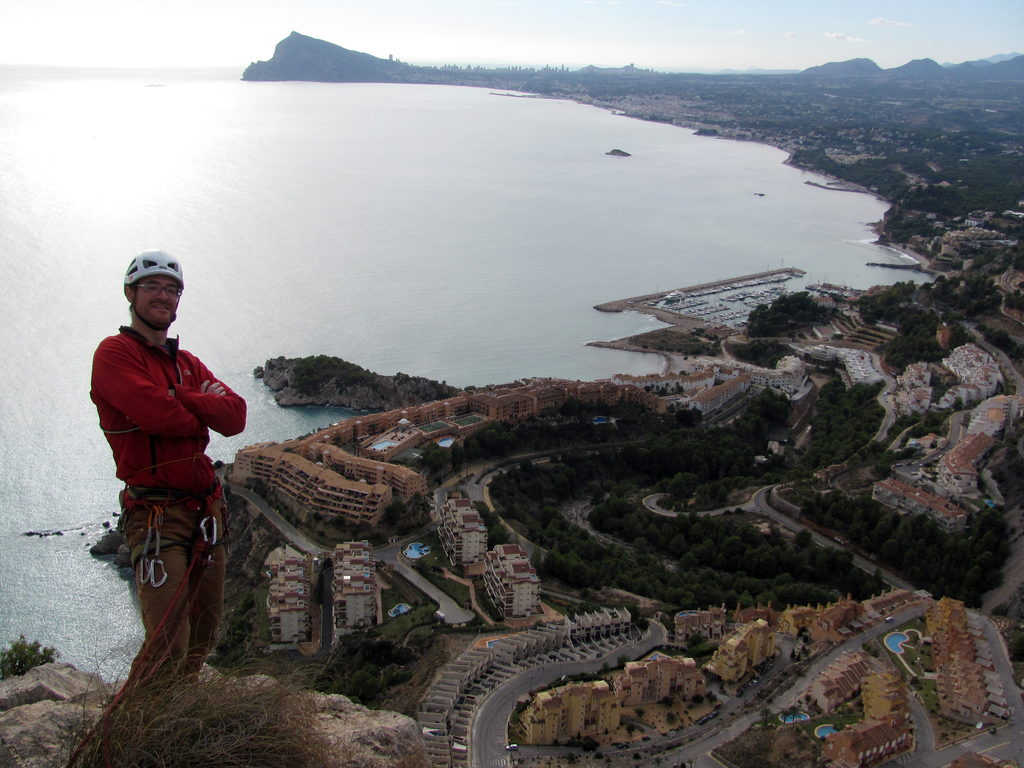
490, 719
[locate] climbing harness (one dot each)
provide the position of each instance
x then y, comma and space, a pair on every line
146, 557
148, 565
154, 654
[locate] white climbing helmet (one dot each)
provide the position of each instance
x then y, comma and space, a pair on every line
154, 263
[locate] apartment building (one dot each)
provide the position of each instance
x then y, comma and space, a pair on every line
968, 362
463, 535
670, 383
835, 621
511, 581
720, 395
796, 618
788, 376
883, 695
288, 598
962, 689
663, 677
309, 487
599, 624
752, 613
858, 365
912, 401
914, 376
570, 712
958, 469
740, 653
868, 743
994, 415
904, 498
979, 376
709, 624
841, 681
356, 595
403, 481
968, 688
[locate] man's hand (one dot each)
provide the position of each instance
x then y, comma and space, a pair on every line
212, 388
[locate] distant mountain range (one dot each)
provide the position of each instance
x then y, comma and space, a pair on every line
299, 57
925, 69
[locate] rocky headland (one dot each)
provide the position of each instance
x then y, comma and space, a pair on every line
331, 381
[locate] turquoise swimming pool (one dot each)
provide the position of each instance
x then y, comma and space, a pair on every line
894, 641
446, 442
797, 717
416, 550
824, 730
399, 609
384, 445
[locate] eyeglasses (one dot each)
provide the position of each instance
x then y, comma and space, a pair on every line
153, 289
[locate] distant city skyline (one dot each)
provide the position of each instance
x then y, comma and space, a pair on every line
666, 35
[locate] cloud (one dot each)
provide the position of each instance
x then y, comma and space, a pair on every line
739, 32
791, 34
844, 36
879, 21
673, 3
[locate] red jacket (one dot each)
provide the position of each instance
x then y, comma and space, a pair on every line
155, 417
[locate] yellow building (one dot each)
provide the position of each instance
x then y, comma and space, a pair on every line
651, 680
945, 612
742, 651
883, 695
797, 617
570, 712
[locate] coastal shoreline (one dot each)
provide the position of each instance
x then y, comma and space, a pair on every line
626, 344
835, 184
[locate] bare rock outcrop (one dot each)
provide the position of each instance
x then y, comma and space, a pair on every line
42, 711
383, 739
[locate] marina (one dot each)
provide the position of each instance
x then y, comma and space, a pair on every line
720, 303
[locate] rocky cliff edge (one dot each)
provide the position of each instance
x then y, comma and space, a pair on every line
42, 708
330, 381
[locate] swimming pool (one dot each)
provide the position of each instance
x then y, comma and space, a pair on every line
894, 641
399, 609
824, 730
383, 445
416, 550
446, 442
797, 717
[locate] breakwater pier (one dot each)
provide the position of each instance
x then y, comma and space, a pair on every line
722, 302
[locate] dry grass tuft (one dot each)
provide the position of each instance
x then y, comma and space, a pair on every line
213, 721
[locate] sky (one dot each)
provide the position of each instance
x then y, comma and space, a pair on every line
666, 35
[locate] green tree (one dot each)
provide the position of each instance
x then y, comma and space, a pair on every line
1017, 647
22, 656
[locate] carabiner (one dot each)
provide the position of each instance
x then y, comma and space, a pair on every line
209, 535
148, 568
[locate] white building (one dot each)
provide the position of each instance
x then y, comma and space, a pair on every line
463, 535
512, 581
858, 365
356, 591
288, 598
994, 415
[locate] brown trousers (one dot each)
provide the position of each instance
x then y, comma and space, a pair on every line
197, 631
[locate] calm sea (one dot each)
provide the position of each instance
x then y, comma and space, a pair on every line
457, 233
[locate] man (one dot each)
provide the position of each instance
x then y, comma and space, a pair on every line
156, 405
